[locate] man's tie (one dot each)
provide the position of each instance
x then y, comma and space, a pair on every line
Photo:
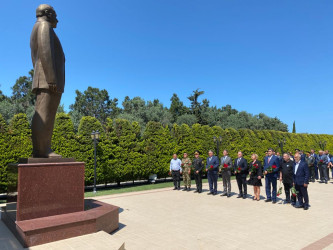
238, 161
269, 159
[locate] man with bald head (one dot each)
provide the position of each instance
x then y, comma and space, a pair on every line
48, 83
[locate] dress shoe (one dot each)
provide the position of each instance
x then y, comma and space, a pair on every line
196, 191
189, 189
199, 192
299, 206
209, 193
175, 188
287, 202
293, 204
214, 193
274, 202
224, 194
178, 188
306, 208
185, 189
268, 200
228, 195
240, 196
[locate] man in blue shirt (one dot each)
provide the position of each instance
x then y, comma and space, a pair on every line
175, 171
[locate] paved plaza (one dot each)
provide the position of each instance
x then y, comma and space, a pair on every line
168, 219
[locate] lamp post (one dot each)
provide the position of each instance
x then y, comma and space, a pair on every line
95, 137
218, 141
281, 144
322, 145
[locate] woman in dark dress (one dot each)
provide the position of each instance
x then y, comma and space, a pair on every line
255, 169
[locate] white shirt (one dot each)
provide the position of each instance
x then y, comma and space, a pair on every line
175, 165
296, 166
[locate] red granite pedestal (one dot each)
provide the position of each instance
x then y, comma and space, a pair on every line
50, 205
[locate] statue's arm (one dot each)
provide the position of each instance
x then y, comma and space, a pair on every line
46, 52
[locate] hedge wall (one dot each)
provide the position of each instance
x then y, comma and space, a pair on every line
123, 153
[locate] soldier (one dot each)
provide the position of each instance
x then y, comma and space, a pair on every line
226, 166
310, 160
186, 165
197, 168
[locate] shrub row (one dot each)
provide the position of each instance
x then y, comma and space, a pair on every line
125, 153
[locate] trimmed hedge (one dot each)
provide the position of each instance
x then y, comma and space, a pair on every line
124, 154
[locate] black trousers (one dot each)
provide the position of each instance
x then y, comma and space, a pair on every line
176, 178
198, 181
302, 195
242, 185
287, 187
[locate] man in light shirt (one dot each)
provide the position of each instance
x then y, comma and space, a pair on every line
175, 171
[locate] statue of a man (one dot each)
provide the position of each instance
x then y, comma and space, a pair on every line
49, 78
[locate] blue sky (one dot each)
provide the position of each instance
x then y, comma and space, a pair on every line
274, 57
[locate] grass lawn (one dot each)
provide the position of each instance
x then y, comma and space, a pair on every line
136, 188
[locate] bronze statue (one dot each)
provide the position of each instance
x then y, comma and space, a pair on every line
48, 84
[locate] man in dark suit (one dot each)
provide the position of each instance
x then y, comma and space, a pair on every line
301, 182
271, 170
315, 164
241, 171
48, 82
212, 168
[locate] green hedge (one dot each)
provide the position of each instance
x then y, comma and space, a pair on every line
124, 153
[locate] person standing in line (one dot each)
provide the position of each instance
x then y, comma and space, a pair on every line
226, 166
271, 170
212, 168
186, 166
175, 171
197, 168
322, 165
315, 156
241, 171
255, 176
301, 182
287, 178
310, 160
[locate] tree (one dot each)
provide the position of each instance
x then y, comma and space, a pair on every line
22, 91
177, 107
195, 104
96, 103
294, 127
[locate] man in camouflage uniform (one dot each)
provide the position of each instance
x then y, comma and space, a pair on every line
186, 165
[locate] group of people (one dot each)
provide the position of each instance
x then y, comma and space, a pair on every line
295, 171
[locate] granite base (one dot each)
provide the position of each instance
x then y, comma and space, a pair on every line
97, 216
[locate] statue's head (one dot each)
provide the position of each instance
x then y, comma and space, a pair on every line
47, 11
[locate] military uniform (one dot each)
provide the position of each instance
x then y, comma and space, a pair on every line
198, 166
187, 165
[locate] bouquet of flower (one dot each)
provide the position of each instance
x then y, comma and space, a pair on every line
254, 168
238, 170
225, 166
211, 167
321, 162
279, 191
293, 191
